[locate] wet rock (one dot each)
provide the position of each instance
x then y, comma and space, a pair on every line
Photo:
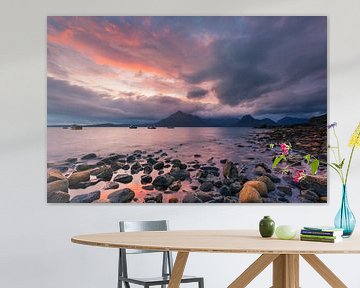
58, 197
317, 184
145, 179
86, 198
159, 165
117, 165
86, 184
204, 196
218, 184
265, 166
58, 185
235, 187
269, 184
148, 187
249, 195
229, 170
176, 162
126, 167
225, 191
147, 169
310, 195
273, 178
259, 186
121, 196
197, 155
173, 200
191, 198
130, 159
106, 174
196, 166
259, 170
283, 199
223, 161
154, 198
110, 159
136, 168
206, 186
84, 167
285, 189
71, 160
77, 177
163, 182
151, 161
98, 170
175, 186
54, 175
123, 178
211, 170
194, 187
161, 172
179, 174
163, 154
89, 156
111, 185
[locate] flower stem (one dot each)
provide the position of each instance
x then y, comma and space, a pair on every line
350, 159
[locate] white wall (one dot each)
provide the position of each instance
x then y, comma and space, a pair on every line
35, 248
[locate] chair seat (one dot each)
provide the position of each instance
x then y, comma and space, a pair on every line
158, 280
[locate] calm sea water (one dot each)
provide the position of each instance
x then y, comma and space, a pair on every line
185, 142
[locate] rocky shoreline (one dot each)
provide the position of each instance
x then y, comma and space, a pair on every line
162, 177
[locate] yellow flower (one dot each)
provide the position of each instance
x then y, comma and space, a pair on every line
355, 138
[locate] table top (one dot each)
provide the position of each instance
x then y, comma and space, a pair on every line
217, 241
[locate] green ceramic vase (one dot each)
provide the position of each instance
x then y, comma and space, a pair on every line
267, 227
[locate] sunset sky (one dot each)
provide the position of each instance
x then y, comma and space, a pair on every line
139, 69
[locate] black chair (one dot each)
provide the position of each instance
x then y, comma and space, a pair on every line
167, 265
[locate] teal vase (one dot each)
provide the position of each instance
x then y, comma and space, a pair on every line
345, 219
267, 227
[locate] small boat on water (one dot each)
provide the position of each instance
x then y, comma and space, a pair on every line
133, 127
151, 127
76, 127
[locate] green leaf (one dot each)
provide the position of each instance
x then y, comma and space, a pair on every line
277, 160
307, 158
271, 145
314, 166
342, 163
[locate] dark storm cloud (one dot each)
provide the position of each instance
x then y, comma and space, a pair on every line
277, 53
68, 101
197, 93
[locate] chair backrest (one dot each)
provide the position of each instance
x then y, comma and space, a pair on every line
137, 226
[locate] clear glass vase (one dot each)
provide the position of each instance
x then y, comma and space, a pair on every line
345, 219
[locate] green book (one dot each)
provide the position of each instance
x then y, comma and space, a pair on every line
319, 236
324, 229
325, 240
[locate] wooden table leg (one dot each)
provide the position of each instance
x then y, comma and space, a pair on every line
324, 271
253, 270
286, 271
178, 269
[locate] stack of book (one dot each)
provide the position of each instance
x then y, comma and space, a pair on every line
321, 234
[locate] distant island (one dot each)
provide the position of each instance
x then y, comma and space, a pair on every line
182, 119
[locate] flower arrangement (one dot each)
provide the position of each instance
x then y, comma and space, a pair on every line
314, 163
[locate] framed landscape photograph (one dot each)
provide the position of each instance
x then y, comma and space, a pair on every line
187, 109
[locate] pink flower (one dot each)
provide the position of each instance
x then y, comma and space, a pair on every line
299, 175
284, 148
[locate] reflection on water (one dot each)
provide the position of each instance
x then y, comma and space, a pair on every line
65, 143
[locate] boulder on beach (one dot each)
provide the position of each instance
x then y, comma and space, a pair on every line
204, 196
121, 196
162, 182
123, 178
259, 170
148, 187
89, 156
191, 198
111, 185
110, 159
249, 195
86, 184
59, 185
159, 165
259, 186
225, 190
269, 184
77, 177
54, 175
71, 160
58, 197
84, 167
318, 184
206, 186
86, 198
179, 174
235, 187
136, 168
153, 198
106, 174
145, 179
175, 186
147, 169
